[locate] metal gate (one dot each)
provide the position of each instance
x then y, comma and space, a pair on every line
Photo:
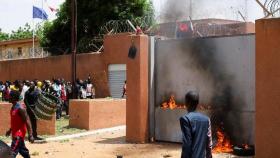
221, 69
117, 76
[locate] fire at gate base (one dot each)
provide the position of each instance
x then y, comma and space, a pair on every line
223, 143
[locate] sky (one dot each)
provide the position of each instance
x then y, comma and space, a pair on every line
15, 13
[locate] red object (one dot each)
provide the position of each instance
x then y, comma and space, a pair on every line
18, 126
53, 9
138, 30
183, 27
63, 96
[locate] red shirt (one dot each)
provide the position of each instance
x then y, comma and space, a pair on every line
7, 94
18, 126
63, 94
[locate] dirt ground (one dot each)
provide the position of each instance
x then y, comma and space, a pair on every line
106, 145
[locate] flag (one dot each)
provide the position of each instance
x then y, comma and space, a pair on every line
53, 9
39, 13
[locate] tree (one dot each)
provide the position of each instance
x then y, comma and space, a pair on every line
3, 36
20, 33
91, 16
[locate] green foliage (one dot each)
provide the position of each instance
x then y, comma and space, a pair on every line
91, 15
21, 33
3, 36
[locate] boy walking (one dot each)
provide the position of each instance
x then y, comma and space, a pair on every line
20, 123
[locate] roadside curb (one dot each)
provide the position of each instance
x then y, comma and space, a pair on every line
83, 134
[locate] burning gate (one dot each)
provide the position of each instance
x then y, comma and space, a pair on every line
221, 69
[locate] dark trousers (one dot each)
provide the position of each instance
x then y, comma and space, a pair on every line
18, 146
59, 110
66, 106
33, 121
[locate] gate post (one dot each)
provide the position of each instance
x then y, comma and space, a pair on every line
137, 92
267, 88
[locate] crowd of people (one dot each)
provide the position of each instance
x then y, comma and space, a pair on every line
60, 88
24, 94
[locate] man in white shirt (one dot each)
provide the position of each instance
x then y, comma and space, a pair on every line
26, 85
89, 89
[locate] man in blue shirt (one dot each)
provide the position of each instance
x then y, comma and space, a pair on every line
196, 130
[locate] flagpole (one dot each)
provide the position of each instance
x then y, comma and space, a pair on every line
42, 9
33, 34
42, 23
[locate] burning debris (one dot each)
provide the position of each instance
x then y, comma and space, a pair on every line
171, 104
244, 150
223, 143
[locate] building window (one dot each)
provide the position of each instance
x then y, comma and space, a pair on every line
10, 54
1, 54
19, 51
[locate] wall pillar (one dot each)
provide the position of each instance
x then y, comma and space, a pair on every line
137, 93
267, 88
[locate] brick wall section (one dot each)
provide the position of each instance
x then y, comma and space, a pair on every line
97, 113
137, 93
44, 127
267, 88
79, 114
4, 117
115, 52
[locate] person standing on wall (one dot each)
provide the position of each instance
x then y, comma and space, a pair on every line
196, 130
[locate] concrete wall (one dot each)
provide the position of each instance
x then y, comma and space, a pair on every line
116, 50
97, 113
267, 88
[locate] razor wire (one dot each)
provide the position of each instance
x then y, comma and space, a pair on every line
118, 26
273, 7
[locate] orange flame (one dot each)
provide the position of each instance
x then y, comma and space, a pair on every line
171, 104
223, 144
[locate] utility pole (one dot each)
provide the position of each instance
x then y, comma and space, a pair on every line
74, 44
190, 11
